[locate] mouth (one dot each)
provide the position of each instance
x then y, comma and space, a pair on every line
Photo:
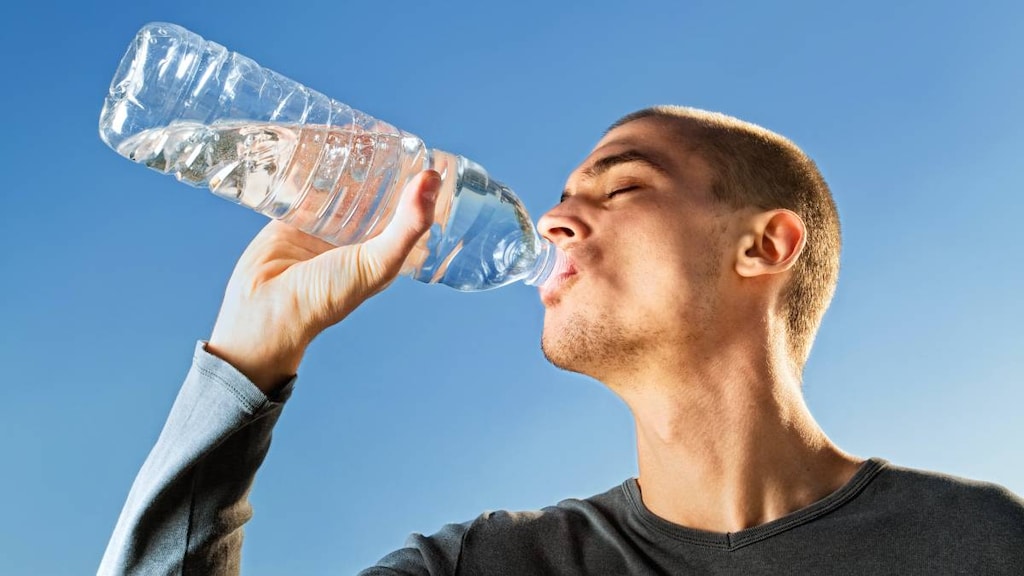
550, 290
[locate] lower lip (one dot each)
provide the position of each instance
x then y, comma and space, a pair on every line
552, 286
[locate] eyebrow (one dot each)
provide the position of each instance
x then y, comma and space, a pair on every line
626, 157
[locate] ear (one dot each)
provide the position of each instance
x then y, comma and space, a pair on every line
772, 243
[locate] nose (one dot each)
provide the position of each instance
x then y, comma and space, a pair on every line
562, 227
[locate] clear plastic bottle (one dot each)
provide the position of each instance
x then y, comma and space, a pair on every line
187, 106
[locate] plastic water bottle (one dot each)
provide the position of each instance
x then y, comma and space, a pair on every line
187, 106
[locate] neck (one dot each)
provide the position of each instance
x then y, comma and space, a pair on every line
725, 441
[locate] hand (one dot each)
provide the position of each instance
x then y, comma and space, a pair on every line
288, 287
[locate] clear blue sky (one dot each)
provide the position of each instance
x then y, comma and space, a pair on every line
429, 405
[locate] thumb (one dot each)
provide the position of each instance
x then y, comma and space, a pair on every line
385, 253
339, 280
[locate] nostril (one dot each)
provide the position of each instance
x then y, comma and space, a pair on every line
559, 232
558, 226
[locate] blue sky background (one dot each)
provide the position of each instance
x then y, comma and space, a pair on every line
429, 405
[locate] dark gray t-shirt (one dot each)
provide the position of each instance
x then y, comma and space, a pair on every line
886, 520
186, 509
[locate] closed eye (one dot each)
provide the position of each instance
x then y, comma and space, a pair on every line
565, 195
618, 191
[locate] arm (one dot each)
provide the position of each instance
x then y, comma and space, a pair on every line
186, 508
185, 511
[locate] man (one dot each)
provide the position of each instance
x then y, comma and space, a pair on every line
703, 253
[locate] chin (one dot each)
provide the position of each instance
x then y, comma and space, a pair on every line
584, 343
556, 343
558, 359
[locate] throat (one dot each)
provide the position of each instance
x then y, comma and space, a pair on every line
730, 462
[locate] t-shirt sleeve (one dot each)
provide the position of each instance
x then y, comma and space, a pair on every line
185, 511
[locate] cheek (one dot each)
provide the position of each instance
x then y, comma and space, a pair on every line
654, 271
673, 266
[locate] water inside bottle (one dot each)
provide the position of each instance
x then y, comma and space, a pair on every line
335, 183
341, 184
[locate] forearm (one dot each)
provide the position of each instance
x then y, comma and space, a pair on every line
185, 511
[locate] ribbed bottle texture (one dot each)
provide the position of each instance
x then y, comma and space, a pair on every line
216, 119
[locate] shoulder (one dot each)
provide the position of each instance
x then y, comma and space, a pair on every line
939, 495
573, 520
568, 513
948, 488
549, 540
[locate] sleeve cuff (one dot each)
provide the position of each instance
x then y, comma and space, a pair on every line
241, 387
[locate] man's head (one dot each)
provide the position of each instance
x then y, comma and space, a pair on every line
685, 226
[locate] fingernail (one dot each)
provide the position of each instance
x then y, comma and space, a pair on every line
433, 186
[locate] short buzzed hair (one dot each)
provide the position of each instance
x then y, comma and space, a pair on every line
754, 167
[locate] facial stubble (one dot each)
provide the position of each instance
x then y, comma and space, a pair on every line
587, 343
597, 343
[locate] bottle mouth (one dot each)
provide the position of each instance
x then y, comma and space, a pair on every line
550, 264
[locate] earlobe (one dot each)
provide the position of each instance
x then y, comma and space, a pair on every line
772, 244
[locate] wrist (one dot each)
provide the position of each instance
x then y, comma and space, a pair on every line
266, 372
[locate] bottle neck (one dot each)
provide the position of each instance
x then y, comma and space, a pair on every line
550, 263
